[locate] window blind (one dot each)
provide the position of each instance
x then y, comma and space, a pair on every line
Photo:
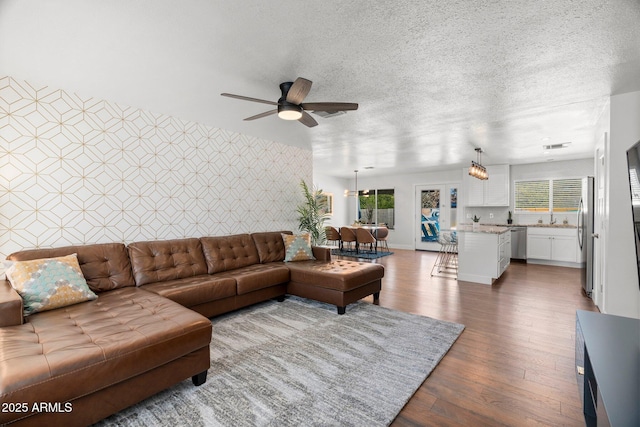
532, 196
635, 187
566, 195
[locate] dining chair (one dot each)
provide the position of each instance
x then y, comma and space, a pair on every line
333, 235
347, 235
364, 236
382, 233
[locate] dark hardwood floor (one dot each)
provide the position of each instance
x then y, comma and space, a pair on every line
514, 363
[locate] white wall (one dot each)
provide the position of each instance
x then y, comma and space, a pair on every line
335, 186
403, 235
622, 294
78, 170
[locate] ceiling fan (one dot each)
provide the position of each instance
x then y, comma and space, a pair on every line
290, 105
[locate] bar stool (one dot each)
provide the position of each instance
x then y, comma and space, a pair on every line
447, 259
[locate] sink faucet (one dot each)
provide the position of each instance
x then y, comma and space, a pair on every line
552, 221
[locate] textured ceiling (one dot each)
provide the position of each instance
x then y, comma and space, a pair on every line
434, 79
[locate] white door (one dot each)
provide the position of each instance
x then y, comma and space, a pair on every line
598, 225
436, 210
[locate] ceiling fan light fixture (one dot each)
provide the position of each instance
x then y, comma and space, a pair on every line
290, 105
289, 111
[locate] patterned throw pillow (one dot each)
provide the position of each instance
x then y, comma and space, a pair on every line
297, 247
45, 284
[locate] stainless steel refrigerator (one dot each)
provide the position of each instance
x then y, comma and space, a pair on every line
585, 232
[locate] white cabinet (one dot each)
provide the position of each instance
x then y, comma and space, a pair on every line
491, 192
474, 189
483, 256
553, 244
504, 252
538, 247
564, 248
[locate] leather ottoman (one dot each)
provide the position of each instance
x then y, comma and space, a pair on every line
336, 282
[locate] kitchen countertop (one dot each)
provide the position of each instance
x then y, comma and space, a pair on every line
483, 228
532, 225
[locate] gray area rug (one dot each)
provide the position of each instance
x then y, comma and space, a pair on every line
298, 363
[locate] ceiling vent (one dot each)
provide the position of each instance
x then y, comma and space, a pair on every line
329, 114
556, 146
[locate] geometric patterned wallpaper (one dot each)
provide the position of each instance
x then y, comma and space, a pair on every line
77, 170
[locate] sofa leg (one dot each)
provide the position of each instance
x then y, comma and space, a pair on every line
341, 310
200, 378
376, 296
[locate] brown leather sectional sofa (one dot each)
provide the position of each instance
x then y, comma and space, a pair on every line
148, 328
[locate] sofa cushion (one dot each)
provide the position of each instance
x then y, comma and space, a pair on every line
104, 266
225, 253
74, 351
49, 283
162, 260
192, 291
258, 276
270, 245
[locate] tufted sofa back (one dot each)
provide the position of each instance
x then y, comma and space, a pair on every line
162, 260
104, 266
229, 252
270, 245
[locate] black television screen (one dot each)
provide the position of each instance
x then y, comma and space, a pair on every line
633, 162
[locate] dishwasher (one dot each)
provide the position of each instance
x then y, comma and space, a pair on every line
518, 242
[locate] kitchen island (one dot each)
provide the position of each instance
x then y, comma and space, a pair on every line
484, 253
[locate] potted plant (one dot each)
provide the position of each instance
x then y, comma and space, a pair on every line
312, 214
509, 219
476, 222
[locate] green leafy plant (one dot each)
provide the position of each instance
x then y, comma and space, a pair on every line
312, 214
368, 204
476, 218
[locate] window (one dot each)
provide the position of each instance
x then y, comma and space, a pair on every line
377, 207
532, 196
548, 195
635, 187
566, 195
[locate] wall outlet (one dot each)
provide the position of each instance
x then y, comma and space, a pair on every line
490, 215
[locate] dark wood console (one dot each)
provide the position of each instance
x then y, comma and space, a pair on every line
608, 368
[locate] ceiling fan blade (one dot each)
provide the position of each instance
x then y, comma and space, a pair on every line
299, 90
246, 98
329, 106
261, 115
307, 120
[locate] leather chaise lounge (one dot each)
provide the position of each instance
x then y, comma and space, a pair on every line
100, 356
149, 328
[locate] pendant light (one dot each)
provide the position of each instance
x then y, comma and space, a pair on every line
355, 193
476, 169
